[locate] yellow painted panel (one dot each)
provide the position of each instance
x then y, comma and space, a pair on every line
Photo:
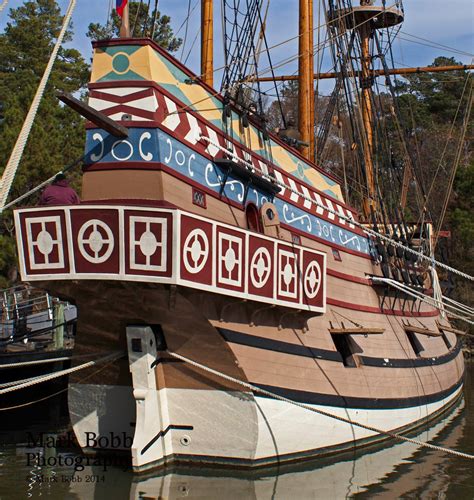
140, 62
101, 66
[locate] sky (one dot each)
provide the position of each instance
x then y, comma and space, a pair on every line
449, 23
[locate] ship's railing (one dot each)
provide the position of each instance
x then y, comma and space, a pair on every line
24, 309
22, 300
168, 246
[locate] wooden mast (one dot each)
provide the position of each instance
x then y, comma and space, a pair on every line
370, 203
125, 26
305, 79
207, 35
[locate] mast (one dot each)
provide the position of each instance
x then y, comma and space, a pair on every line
364, 21
207, 49
365, 32
305, 80
125, 26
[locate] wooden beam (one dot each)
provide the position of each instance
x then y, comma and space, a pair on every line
374, 73
421, 331
447, 328
96, 117
357, 331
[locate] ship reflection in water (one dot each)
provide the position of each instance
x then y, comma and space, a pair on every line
401, 470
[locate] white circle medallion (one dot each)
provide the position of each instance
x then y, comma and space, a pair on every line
312, 280
260, 267
148, 243
45, 242
230, 260
115, 146
95, 241
288, 274
195, 251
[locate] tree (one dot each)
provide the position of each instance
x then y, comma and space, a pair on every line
434, 109
143, 23
57, 136
435, 95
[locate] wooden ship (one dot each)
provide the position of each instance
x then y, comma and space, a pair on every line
203, 234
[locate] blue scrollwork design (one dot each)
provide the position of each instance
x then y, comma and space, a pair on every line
292, 218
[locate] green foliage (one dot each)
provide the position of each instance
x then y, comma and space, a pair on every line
57, 136
7, 257
433, 110
461, 218
432, 99
141, 25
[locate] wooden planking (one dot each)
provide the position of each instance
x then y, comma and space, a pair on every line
272, 368
122, 185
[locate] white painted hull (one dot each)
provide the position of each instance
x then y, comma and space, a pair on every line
232, 427
339, 479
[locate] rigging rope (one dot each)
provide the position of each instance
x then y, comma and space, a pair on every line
438, 304
304, 406
46, 361
188, 15
435, 45
136, 18
81, 380
31, 363
288, 40
457, 160
154, 20
367, 230
43, 184
15, 158
61, 373
448, 139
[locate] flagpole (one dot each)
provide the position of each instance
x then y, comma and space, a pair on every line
125, 26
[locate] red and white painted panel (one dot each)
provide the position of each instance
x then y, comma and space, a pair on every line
148, 104
168, 246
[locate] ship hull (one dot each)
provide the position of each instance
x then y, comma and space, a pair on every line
240, 429
161, 410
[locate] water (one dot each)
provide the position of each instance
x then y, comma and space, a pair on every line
401, 470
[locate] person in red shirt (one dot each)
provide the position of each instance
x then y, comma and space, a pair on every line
59, 193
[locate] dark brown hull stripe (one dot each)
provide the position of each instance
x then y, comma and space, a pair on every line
413, 363
325, 354
278, 345
314, 398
